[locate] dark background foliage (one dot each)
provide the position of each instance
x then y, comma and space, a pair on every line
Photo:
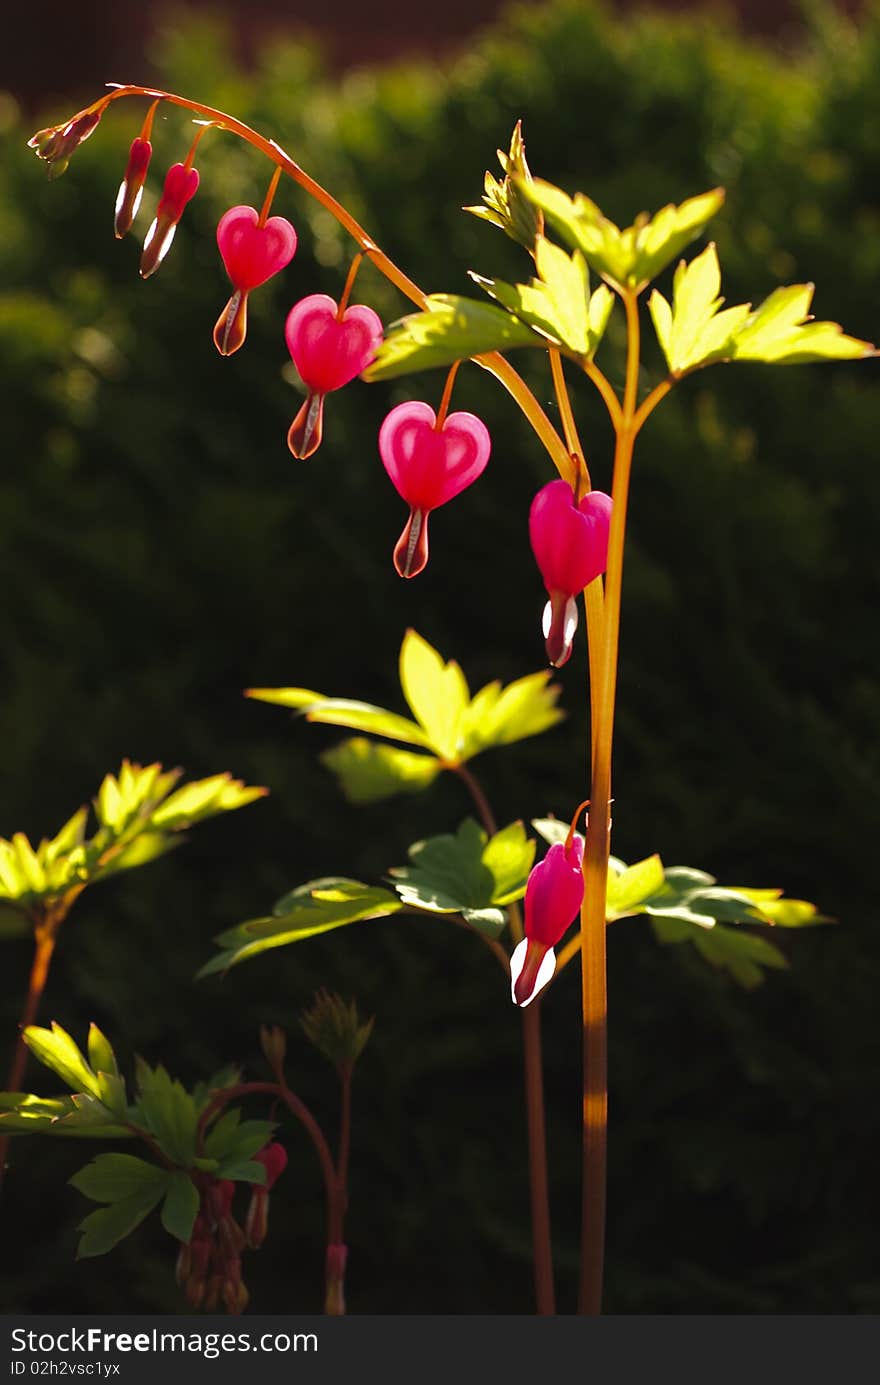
160, 551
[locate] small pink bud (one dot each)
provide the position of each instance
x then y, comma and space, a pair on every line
131, 189
570, 544
554, 895
273, 1157
429, 466
328, 353
180, 187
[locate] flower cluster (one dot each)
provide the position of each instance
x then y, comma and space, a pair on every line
430, 457
209, 1265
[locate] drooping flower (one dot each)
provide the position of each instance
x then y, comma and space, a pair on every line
328, 350
57, 143
180, 187
428, 466
570, 544
209, 1265
273, 1157
554, 895
131, 189
252, 252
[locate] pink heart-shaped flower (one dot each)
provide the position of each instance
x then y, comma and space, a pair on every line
569, 539
326, 352
253, 253
431, 465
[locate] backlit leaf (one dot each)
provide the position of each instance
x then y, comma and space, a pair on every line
467, 871
450, 329
316, 907
369, 771
632, 257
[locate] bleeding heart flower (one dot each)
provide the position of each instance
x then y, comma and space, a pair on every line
252, 254
328, 351
554, 895
429, 465
180, 187
570, 544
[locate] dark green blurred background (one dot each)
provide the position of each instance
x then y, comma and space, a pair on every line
160, 551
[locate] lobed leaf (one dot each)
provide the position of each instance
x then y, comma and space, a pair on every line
628, 258
369, 771
450, 329
316, 907
557, 303
468, 871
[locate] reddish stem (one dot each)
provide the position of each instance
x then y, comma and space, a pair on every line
46, 935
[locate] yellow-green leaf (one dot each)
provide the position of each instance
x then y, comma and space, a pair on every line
437, 694
450, 329
629, 258
369, 771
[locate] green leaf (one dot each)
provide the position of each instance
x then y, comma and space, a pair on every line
503, 203
450, 724
740, 952
55, 1049
104, 1229
236, 1143
181, 1206
202, 799
437, 694
244, 1171
168, 1112
369, 771
83, 1117
780, 332
140, 851
628, 258
557, 303
340, 711
468, 871
112, 1177
694, 332
502, 715
633, 885
785, 913
450, 329
316, 907
101, 1055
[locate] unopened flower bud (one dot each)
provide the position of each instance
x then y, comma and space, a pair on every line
57, 143
335, 1028
131, 189
273, 1041
180, 187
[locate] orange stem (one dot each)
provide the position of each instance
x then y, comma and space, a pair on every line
269, 198
349, 284
447, 395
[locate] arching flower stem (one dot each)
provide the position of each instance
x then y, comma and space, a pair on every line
493, 362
